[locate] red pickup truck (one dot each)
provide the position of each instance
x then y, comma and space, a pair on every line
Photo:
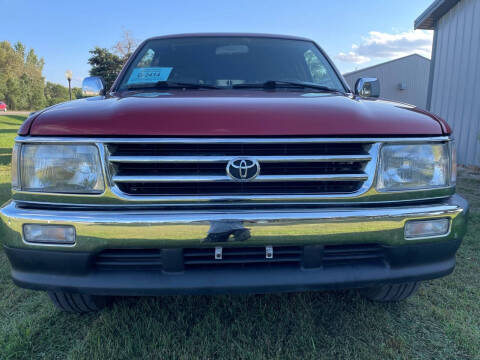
230, 163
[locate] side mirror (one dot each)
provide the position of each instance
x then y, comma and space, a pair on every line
93, 86
367, 87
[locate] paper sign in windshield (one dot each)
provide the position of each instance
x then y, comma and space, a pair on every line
149, 75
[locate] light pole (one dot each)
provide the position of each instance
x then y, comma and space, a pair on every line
68, 75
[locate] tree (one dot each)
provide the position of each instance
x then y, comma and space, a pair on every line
105, 64
22, 85
13, 93
125, 47
108, 64
56, 93
77, 93
21, 80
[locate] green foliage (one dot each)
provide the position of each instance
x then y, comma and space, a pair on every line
77, 93
22, 85
55, 93
21, 80
105, 64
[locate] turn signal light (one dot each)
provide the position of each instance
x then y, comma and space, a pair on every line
49, 234
426, 228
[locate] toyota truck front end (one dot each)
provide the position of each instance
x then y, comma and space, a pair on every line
223, 163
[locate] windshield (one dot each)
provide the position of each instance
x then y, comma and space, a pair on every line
228, 61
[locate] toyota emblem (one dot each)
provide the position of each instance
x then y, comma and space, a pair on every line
243, 169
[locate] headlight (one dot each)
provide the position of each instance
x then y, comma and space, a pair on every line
414, 167
61, 169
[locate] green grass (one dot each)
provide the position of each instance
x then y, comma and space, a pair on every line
441, 322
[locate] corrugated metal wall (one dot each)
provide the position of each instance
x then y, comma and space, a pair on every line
412, 70
456, 77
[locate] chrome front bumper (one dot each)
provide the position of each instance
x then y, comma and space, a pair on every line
103, 229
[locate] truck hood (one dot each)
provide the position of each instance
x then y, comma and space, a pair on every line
232, 113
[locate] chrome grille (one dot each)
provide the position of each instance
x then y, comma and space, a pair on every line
294, 167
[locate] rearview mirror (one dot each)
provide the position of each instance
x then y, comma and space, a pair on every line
231, 50
367, 87
93, 86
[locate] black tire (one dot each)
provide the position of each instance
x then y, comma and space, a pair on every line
392, 292
78, 303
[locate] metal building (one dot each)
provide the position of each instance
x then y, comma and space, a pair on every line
404, 79
454, 83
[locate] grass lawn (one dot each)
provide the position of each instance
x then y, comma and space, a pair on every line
441, 322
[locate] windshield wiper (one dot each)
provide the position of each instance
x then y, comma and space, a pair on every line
273, 84
170, 85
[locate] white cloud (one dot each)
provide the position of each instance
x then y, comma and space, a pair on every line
389, 46
352, 57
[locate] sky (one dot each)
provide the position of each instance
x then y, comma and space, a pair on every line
354, 33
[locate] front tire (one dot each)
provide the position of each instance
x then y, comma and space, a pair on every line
78, 303
390, 293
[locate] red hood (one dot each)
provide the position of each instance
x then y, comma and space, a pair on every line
232, 113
